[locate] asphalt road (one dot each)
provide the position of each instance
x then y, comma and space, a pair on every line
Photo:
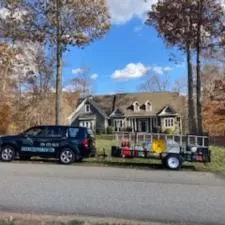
166, 196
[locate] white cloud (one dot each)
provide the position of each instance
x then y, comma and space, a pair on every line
77, 71
94, 76
123, 11
131, 71
160, 70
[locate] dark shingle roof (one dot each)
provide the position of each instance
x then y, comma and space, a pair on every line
124, 101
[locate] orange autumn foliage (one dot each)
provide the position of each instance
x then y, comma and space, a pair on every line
214, 118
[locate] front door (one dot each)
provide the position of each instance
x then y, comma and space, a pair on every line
143, 125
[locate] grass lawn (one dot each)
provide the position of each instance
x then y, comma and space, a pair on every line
217, 164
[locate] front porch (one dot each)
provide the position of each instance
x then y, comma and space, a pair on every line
151, 124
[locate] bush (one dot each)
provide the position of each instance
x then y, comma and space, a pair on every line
98, 131
168, 131
128, 129
109, 130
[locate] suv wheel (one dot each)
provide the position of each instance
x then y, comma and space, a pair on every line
7, 153
66, 156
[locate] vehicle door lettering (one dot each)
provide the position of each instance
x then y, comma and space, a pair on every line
38, 149
54, 145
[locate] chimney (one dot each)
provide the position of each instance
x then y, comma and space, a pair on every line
114, 103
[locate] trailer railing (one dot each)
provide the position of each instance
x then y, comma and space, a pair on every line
212, 140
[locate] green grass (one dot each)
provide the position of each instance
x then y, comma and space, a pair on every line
105, 143
4, 222
218, 161
217, 164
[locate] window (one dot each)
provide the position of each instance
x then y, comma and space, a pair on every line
148, 106
136, 106
118, 124
87, 108
35, 132
72, 132
87, 124
169, 122
53, 132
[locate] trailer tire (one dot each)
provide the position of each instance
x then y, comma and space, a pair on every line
173, 162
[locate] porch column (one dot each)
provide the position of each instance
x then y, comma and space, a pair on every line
180, 127
150, 124
147, 125
135, 124
127, 122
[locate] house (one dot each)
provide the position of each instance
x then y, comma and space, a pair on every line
138, 112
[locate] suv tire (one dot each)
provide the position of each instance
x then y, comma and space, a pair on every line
66, 156
7, 153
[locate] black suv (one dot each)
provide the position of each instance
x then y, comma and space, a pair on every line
66, 143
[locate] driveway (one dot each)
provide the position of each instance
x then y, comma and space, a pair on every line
165, 196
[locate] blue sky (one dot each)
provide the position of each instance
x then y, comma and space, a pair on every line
127, 55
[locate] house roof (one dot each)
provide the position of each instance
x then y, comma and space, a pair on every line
124, 102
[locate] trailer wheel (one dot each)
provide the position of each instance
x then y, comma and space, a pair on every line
173, 162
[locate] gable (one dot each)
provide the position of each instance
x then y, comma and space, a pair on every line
167, 110
117, 113
81, 109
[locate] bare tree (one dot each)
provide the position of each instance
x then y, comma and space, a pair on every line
83, 83
180, 86
60, 23
156, 82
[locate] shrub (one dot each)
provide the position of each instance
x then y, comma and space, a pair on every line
109, 130
98, 131
168, 131
128, 129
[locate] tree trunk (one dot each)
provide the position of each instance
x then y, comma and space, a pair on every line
191, 108
58, 84
58, 68
198, 92
198, 70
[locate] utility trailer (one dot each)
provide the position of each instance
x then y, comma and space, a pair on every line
172, 150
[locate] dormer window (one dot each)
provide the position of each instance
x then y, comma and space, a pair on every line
148, 106
87, 108
136, 106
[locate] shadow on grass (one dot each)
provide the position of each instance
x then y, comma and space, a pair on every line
136, 165
3, 222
